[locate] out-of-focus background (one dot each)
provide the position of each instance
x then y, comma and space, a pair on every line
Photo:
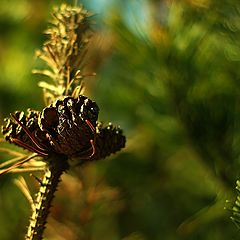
169, 73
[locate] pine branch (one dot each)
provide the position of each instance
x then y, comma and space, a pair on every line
64, 52
43, 202
236, 207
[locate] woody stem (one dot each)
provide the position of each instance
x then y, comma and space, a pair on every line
57, 165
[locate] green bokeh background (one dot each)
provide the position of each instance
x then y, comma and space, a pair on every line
168, 72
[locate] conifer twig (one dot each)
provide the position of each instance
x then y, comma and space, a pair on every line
45, 196
64, 52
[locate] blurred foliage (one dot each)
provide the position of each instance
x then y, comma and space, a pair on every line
168, 71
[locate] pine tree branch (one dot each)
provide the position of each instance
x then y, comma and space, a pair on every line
58, 165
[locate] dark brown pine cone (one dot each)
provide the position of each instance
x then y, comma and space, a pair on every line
109, 140
67, 127
14, 132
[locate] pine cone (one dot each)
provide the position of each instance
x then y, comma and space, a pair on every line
15, 133
109, 140
68, 127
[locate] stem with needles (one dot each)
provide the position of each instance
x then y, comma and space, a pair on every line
57, 165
